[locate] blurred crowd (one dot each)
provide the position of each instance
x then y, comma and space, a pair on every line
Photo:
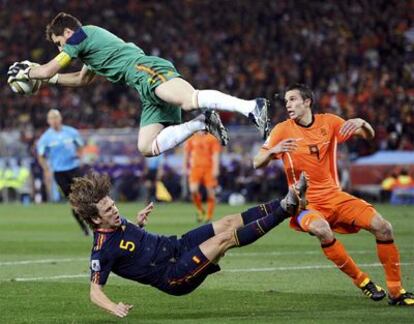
398, 188
358, 56
136, 180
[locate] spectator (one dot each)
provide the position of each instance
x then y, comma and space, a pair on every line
367, 68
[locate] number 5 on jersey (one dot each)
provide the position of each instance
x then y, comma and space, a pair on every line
128, 245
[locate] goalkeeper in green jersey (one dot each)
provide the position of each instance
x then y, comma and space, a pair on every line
163, 92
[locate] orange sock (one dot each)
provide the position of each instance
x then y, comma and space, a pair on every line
390, 258
335, 252
211, 204
196, 197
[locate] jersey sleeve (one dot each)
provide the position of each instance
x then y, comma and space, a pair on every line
100, 268
336, 123
275, 136
78, 138
75, 44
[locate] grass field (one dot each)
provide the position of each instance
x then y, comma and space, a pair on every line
283, 277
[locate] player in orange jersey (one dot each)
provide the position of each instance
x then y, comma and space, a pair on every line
201, 162
307, 142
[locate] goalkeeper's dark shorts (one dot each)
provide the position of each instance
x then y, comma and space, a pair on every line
64, 179
192, 267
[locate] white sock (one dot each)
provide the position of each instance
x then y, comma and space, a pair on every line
171, 136
213, 99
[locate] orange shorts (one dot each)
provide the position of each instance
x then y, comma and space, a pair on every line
345, 214
202, 176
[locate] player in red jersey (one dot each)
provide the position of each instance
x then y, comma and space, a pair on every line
308, 142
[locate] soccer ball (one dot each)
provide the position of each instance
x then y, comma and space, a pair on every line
27, 88
236, 199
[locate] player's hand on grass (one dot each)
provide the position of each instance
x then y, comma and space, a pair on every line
121, 309
287, 145
351, 126
142, 216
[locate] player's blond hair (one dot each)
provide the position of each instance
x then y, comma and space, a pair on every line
86, 192
59, 23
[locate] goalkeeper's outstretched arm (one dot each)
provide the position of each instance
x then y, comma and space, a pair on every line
49, 72
76, 79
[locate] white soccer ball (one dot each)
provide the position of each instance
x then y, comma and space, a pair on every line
236, 199
26, 88
29, 87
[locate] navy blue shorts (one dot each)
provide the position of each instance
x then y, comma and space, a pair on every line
192, 267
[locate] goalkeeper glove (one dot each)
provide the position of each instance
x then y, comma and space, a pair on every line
19, 71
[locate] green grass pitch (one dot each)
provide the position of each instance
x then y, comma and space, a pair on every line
281, 278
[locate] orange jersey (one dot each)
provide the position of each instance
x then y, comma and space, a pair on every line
316, 154
201, 148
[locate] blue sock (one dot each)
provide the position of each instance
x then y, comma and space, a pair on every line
259, 211
251, 232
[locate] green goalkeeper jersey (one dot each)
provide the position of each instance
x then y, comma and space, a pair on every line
104, 53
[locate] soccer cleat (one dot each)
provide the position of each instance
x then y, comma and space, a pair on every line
215, 127
259, 116
296, 197
208, 219
405, 299
200, 215
372, 290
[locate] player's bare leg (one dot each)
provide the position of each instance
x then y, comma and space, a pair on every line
155, 139
180, 93
177, 92
146, 137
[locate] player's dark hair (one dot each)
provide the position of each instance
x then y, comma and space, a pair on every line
305, 92
86, 192
59, 23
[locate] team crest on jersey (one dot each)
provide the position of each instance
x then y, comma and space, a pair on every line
95, 265
324, 132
